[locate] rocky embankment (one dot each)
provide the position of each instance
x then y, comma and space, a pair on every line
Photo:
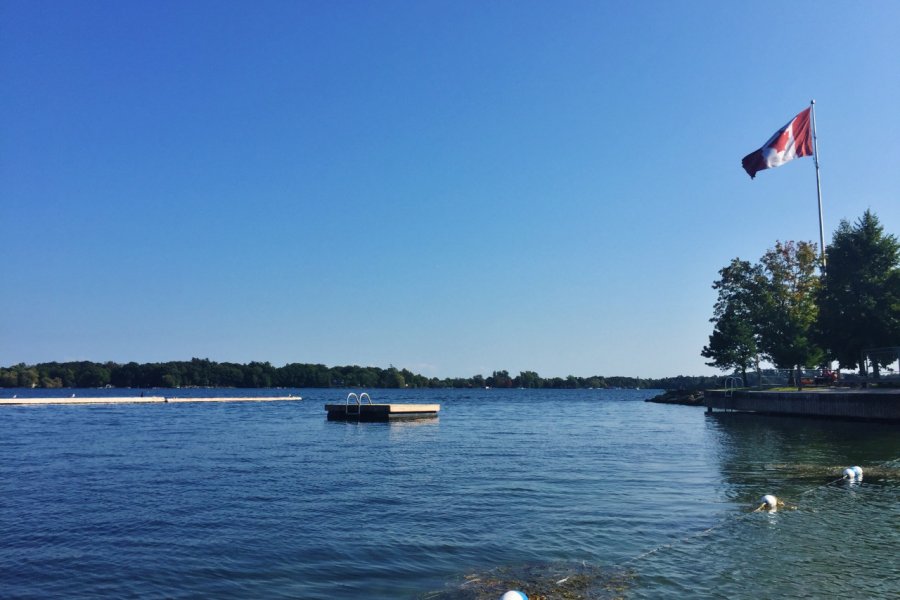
688, 398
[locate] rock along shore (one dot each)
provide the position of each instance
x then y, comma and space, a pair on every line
685, 397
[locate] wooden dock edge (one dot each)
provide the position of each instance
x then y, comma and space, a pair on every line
381, 412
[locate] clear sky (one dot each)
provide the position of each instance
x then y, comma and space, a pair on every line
450, 187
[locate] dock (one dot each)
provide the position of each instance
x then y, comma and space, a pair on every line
843, 403
138, 400
84, 400
237, 399
381, 412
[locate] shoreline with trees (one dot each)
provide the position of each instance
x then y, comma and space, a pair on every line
781, 310
204, 373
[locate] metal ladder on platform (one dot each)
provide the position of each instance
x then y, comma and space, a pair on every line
358, 399
731, 384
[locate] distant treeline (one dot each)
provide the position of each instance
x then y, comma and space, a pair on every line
206, 373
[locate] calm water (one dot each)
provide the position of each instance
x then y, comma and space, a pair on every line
249, 500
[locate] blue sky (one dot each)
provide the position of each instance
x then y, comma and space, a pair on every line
451, 187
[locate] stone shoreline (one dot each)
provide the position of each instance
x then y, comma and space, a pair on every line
683, 397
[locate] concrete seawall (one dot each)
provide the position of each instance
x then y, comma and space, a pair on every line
881, 405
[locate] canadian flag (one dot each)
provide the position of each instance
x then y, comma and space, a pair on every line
790, 142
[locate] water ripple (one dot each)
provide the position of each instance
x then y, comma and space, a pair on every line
271, 500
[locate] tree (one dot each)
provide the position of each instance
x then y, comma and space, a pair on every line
860, 297
499, 379
92, 375
528, 379
787, 308
126, 375
28, 377
734, 340
392, 378
732, 344
257, 375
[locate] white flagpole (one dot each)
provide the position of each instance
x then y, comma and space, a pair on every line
818, 182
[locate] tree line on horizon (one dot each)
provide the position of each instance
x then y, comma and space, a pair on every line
206, 373
786, 310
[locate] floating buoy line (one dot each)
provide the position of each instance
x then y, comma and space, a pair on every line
768, 502
853, 473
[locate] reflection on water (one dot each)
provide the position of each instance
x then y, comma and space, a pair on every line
392, 425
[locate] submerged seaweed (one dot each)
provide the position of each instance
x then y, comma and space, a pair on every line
545, 581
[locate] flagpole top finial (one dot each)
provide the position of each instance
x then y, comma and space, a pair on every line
813, 101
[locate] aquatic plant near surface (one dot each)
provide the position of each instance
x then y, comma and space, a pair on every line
545, 581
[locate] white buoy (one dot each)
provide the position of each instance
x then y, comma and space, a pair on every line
769, 501
853, 473
513, 595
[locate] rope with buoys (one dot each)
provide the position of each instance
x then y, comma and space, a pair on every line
768, 502
683, 540
853, 473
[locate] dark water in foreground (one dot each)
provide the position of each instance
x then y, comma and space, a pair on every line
253, 500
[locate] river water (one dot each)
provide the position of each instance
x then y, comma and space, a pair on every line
596, 489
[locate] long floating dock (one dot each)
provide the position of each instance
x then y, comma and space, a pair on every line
140, 400
868, 404
381, 412
237, 399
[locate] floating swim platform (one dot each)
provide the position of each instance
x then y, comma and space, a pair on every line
138, 400
361, 408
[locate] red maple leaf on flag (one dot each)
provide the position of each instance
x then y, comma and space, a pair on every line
781, 141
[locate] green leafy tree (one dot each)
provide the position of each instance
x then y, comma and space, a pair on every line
528, 379
392, 378
499, 379
595, 382
787, 309
733, 343
92, 375
9, 378
128, 375
28, 377
860, 297
257, 375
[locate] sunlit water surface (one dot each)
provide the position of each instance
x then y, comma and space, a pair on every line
252, 500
